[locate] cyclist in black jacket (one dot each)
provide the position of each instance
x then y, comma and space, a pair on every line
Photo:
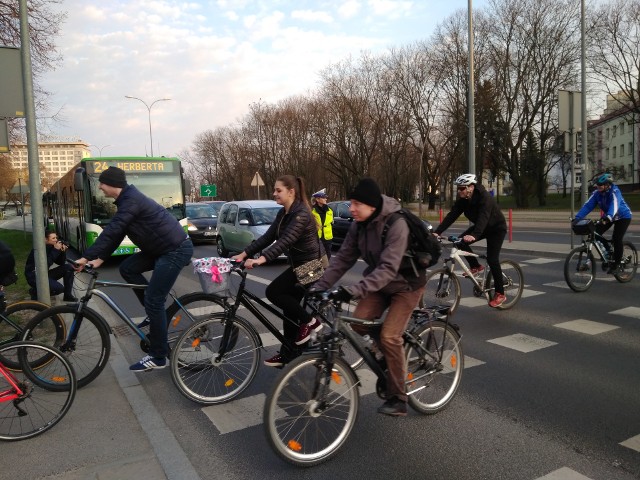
488, 222
164, 246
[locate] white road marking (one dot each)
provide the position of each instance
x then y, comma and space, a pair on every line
586, 326
633, 443
633, 312
564, 473
522, 343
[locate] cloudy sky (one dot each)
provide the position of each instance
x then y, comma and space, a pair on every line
212, 58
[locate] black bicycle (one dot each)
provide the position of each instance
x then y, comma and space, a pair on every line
580, 265
216, 359
313, 405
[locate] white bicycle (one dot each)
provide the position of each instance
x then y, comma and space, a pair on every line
443, 285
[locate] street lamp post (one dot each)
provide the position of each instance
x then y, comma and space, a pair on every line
149, 110
100, 148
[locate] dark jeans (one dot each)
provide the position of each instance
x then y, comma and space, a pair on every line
285, 293
619, 229
166, 269
56, 288
327, 247
495, 238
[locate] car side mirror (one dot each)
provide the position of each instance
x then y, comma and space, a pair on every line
243, 222
346, 216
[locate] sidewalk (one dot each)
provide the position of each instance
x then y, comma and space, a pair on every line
113, 430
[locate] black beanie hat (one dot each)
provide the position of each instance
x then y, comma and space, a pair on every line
114, 177
367, 192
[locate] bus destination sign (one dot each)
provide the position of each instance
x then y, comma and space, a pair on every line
131, 166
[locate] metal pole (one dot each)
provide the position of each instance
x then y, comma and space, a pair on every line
149, 111
585, 134
472, 121
37, 210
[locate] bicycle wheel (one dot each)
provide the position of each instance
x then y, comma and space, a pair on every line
629, 263
309, 414
47, 392
205, 376
88, 352
14, 320
580, 269
512, 281
443, 288
434, 366
199, 305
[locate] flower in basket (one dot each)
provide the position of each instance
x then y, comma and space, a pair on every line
215, 266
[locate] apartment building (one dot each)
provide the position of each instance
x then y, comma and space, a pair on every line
57, 158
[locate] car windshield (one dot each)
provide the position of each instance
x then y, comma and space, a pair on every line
200, 211
216, 208
264, 216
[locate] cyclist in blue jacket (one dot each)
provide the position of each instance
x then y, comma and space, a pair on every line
615, 211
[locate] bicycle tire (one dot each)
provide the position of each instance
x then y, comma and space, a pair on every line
580, 269
20, 313
199, 305
297, 430
40, 407
630, 263
513, 283
433, 374
442, 288
90, 351
197, 371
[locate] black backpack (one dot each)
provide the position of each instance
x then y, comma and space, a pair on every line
423, 250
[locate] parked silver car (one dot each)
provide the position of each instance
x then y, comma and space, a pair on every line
241, 222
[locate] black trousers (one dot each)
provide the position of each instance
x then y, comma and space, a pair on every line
285, 293
619, 229
495, 239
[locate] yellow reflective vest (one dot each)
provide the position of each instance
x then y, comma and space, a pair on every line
327, 228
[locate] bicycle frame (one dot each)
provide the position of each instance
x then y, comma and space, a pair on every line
590, 243
13, 393
455, 258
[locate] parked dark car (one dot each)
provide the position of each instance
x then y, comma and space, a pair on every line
216, 204
202, 220
342, 221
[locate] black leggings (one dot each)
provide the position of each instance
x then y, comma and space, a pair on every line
285, 292
619, 229
495, 238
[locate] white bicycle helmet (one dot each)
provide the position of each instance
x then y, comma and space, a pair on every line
466, 179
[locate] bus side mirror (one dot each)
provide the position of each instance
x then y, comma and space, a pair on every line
78, 180
186, 186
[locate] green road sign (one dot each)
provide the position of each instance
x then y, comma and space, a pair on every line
208, 191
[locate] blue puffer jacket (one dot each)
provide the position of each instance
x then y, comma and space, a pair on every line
610, 202
149, 225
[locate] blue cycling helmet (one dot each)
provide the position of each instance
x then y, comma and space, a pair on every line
604, 179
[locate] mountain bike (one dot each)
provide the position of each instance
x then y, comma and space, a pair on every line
580, 265
443, 285
217, 358
86, 341
313, 405
34, 394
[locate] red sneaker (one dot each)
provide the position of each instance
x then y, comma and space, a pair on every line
498, 300
474, 270
275, 361
306, 329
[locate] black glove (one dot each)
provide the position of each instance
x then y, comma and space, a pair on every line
605, 221
342, 294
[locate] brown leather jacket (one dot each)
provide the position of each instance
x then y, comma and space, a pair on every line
364, 240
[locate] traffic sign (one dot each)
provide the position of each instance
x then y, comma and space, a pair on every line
208, 191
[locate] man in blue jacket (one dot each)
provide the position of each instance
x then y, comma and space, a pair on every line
164, 246
615, 211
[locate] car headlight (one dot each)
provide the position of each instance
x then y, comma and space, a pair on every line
191, 227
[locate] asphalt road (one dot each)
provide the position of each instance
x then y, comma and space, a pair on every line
550, 390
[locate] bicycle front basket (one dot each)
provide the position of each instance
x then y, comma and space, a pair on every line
213, 273
583, 227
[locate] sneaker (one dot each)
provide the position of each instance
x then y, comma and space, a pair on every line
148, 363
69, 298
275, 361
394, 407
615, 268
144, 323
474, 271
498, 300
306, 329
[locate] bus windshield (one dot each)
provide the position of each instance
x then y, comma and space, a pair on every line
165, 189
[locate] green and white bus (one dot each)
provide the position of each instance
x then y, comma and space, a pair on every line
78, 210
